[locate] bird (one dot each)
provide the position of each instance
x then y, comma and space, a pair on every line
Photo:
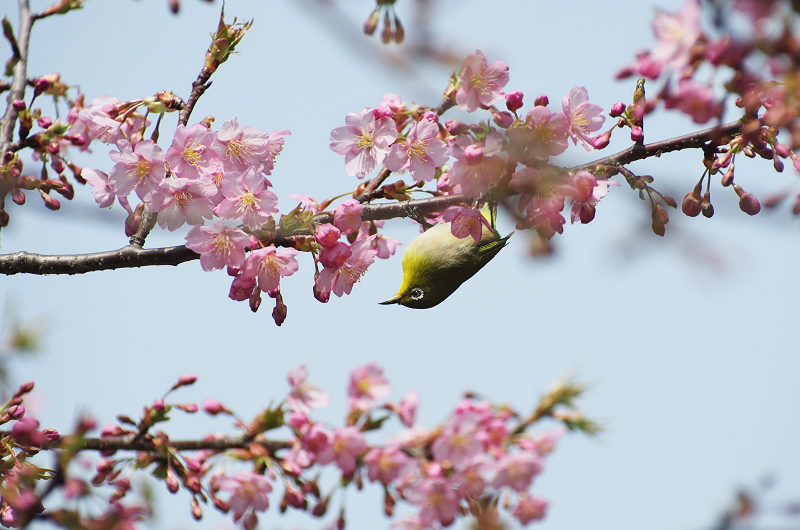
436, 263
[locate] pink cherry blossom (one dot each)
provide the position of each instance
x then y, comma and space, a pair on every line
584, 117
347, 216
367, 384
247, 198
591, 190
181, 200
437, 498
530, 509
677, 33
383, 245
335, 255
478, 164
241, 147
274, 146
695, 99
543, 197
99, 122
140, 167
517, 471
327, 235
340, 280
407, 408
346, 446
481, 84
364, 141
386, 464
248, 492
191, 154
219, 245
270, 264
103, 194
465, 222
550, 132
304, 396
458, 442
308, 202
421, 153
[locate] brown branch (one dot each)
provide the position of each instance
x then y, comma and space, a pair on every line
126, 257
149, 445
19, 80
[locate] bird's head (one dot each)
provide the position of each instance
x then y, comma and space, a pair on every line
426, 282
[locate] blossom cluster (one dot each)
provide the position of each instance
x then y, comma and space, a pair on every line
461, 468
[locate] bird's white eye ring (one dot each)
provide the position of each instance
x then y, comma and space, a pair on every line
417, 293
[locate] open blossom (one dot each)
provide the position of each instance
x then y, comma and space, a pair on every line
481, 84
364, 141
407, 408
542, 197
590, 191
517, 471
384, 246
248, 492
421, 153
241, 147
584, 117
100, 121
478, 164
346, 446
458, 442
367, 384
437, 498
549, 132
347, 216
304, 395
246, 197
465, 222
139, 167
269, 264
181, 200
385, 464
307, 201
695, 99
98, 180
219, 245
340, 280
274, 146
677, 33
191, 154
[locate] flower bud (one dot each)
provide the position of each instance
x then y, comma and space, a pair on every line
321, 507
514, 100
17, 196
24, 389
617, 109
158, 405
372, 22
692, 204
213, 407
601, 140
49, 202
707, 208
197, 511
51, 434
778, 163
503, 119
255, 300
541, 101
16, 412
456, 127
727, 178
40, 86
172, 482
781, 150
748, 152
747, 201
19, 105
637, 134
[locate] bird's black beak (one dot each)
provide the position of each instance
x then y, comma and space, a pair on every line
392, 300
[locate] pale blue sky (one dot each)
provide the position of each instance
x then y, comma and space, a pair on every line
689, 342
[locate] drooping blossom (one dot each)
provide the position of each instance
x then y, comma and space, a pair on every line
241, 147
590, 191
383, 245
517, 471
191, 154
99, 121
98, 180
364, 141
584, 117
542, 198
340, 280
346, 446
140, 167
421, 153
481, 84
530, 509
218, 244
347, 216
304, 396
182, 200
695, 99
367, 384
465, 222
437, 499
246, 197
386, 464
327, 235
270, 264
478, 163
248, 492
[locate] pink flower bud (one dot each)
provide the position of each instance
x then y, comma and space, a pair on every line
617, 109
279, 312
503, 119
782, 150
187, 407
49, 202
104, 466
474, 154
255, 300
601, 140
197, 511
778, 163
213, 407
691, 206
24, 389
382, 112
19, 105
747, 201
172, 482
44, 122
431, 117
637, 133
242, 288
707, 208
514, 100
17, 196
158, 405
541, 101
456, 127
41, 86
57, 165
51, 434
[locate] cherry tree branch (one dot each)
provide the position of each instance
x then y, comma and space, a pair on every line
19, 80
133, 256
149, 445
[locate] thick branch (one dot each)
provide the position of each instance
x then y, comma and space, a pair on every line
126, 257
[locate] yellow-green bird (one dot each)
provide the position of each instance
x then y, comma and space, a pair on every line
436, 263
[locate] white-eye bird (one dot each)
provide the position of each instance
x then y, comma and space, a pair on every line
436, 263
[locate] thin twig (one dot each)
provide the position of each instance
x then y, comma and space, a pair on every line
19, 79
